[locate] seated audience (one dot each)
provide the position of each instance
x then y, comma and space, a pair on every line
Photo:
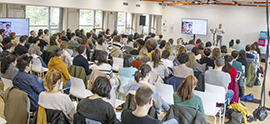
8, 67
186, 98
160, 39
79, 60
5, 41
165, 59
66, 57
34, 45
209, 45
228, 66
206, 59
230, 49
201, 49
136, 50
219, 78
94, 108
182, 70
117, 43
64, 37
242, 58
12, 35
127, 70
73, 43
237, 65
197, 42
148, 37
102, 64
144, 101
140, 40
33, 35
57, 63
100, 45
42, 43
143, 55
192, 63
33, 53
157, 66
46, 36
53, 44
151, 45
28, 82
190, 45
168, 46
180, 42
20, 49
162, 46
237, 46
181, 49
129, 42
9, 50
195, 50
223, 50
255, 53
170, 41
250, 57
89, 40
83, 41
142, 77
53, 99
215, 53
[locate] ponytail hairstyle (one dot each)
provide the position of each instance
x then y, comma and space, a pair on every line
185, 89
52, 77
227, 66
156, 58
5, 62
142, 72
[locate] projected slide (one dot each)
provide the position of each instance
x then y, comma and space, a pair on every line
194, 26
18, 25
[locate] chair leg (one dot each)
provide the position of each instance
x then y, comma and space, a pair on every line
215, 120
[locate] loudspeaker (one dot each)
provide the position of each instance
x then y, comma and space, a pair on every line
142, 20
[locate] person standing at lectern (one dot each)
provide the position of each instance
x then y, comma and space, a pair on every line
220, 32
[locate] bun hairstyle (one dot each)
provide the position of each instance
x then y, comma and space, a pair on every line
6, 61
142, 72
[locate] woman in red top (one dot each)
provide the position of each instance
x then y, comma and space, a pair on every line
227, 67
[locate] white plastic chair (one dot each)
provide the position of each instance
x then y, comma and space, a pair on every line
77, 88
166, 92
219, 93
117, 62
37, 67
113, 101
209, 103
7, 83
2, 121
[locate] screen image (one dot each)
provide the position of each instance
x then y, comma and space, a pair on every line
194, 26
18, 25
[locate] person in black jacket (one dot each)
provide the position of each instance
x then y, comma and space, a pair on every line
206, 59
243, 60
81, 61
20, 49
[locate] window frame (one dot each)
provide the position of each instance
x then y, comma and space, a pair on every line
93, 21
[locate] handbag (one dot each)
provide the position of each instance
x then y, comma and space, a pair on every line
236, 118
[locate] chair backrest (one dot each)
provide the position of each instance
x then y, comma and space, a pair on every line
137, 63
7, 83
117, 62
112, 99
166, 92
77, 87
209, 102
36, 65
218, 91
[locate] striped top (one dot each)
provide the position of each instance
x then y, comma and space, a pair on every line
104, 67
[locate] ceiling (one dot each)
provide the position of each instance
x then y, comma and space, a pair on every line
251, 3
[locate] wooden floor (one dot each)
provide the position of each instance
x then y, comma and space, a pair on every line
256, 91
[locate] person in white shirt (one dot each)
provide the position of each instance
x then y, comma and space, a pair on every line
165, 60
220, 32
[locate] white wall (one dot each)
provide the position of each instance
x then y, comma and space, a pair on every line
244, 23
104, 5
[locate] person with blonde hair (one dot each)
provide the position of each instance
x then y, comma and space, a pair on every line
181, 49
53, 99
215, 53
186, 98
66, 57
168, 46
192, 63
143, 55
64, 37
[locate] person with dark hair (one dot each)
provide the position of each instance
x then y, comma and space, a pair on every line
82, 33
117, 43
196, 52
68, 33
208, 44
171, 41
242, 58
89, 40
35, 46
186, 98
136, 36
144, 100
129, 42
206, 59
142, 77
223, 50
94, 107
100, 45
140, 40
42, 43
28, 82
237, 65
108, 35
135, 50
201, 49
249, 56
6, 40
148, 37
162, 45
2, 34
153, 35
115, 33
190, 45
157, 66
20, 49
53, 44
72, 42
8, 67
219, 77
88, 50
94, 36
9, 50
57, 63
12, 35
228, 66
102, 64
197, 42
165, 59
182, 70
237, 46
160, 39
81, 61
127, 70
46, 36
230, 49
53, 99
151, 45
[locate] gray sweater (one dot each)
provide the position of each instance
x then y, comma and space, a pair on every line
218, 78
10, 72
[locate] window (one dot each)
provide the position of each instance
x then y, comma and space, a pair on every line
146, 27
43, 18
124, 22
153, 24
90, 19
